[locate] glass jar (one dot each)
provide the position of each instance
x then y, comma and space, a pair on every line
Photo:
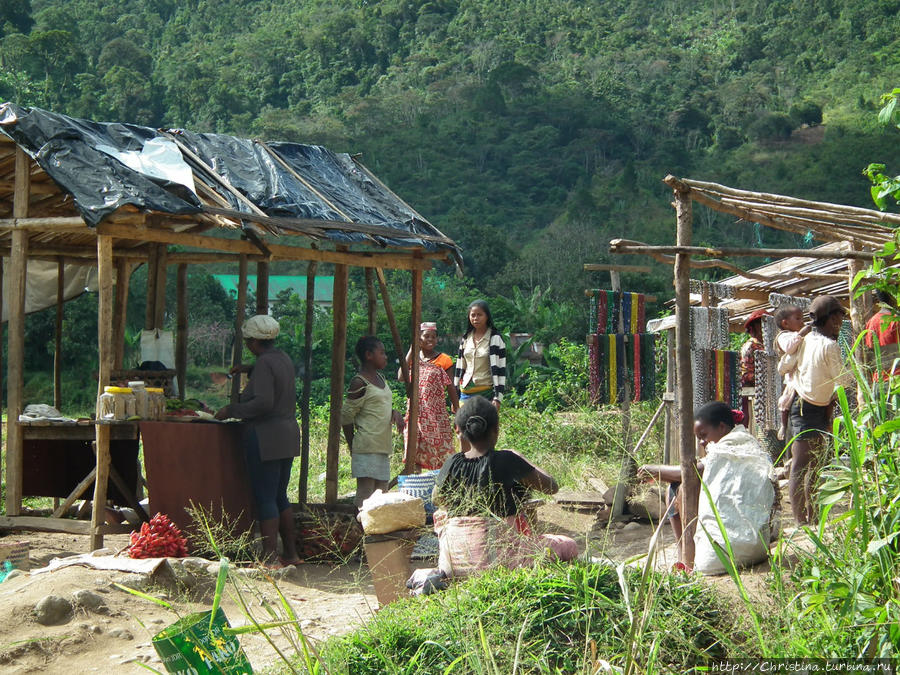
141, 399
156, 403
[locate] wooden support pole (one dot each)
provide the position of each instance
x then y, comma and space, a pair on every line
412, 427
237, 355
159, 307
106, 356
123, 275
181, 329
627, 466
372, 306
395, 333
307, 379
15, 379
684, 383
152, 272
57, 349
262, 287
338, 356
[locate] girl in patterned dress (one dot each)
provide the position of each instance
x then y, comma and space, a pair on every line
435, 437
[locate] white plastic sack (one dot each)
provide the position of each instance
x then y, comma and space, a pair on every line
385, 512
738, 474
158, 345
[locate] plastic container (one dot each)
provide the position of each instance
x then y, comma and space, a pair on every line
113, 403
156, 399
130, 403
141, 399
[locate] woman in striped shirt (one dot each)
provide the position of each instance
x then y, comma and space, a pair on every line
481, 363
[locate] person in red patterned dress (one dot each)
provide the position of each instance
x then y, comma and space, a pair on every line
435, 438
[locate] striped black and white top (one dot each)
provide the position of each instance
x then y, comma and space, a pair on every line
497, 356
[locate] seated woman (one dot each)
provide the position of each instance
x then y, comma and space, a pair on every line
480, 493
739, 478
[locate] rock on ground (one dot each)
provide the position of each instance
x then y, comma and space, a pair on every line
52, 609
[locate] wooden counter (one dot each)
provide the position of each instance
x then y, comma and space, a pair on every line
199, 463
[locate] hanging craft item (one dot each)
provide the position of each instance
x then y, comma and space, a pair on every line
619, 358
608, 306
769, 331
709, 328
715, 290
642, 358
778, 300
716, 376
594, 368
766, 391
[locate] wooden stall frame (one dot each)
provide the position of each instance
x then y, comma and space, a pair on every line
126, 238
828, 222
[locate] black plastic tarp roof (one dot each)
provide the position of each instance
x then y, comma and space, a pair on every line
105, 166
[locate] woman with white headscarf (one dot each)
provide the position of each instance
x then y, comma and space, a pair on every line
268, 405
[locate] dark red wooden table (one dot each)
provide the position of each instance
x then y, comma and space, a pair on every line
200, 464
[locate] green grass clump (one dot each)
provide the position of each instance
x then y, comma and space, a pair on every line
556, 618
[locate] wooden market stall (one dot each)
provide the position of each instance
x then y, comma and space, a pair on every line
115, 196
856, 235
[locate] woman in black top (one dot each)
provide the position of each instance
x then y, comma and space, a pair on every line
482, 486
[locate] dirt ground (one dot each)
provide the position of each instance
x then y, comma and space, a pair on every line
328, 599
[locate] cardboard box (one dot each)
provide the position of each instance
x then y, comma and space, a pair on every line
16, 552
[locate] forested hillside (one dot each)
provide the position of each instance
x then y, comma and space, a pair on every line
531, 131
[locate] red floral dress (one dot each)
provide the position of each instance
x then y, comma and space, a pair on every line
435, 437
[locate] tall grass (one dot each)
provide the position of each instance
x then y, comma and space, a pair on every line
843, 594
559, 618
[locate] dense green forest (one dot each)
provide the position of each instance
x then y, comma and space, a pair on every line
531, 131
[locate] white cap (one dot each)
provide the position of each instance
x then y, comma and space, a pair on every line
261, 327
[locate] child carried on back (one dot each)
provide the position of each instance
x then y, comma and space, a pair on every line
792, 330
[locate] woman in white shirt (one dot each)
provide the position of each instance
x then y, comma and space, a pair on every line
820, 368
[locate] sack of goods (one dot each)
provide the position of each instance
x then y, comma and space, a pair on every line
738, 477
385, 512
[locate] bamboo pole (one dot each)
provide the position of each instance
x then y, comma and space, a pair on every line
783, 199
123, 275
338, 356
684, 384
307, 380
412, 427
159, 307
57, 348
395, 334
262, 287
639, 248
181, 328
16, 337
104, 339
372, 306
237, 355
